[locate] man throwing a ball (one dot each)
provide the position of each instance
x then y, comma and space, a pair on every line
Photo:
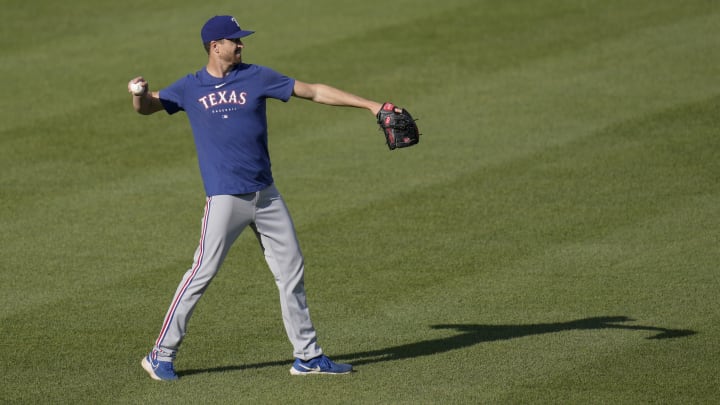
225, 102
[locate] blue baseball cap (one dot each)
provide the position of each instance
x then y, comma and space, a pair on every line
221, 27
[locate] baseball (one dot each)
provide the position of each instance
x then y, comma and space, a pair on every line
137, 89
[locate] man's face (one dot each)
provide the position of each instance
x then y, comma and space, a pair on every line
231, 50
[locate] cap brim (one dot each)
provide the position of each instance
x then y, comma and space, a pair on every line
240, 34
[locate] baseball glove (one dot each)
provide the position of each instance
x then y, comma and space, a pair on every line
398, 126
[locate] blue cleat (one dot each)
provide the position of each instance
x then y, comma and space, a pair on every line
158, 370
319, 365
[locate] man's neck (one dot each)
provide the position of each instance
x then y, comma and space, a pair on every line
218, 70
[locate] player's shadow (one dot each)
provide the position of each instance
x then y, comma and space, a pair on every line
470, 335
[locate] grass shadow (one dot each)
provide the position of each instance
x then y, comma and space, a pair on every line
469, 335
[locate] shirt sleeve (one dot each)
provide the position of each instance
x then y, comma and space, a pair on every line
277, 85
172, 96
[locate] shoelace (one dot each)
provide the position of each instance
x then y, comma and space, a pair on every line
325, 363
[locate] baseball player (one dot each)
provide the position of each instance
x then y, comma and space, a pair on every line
225, 102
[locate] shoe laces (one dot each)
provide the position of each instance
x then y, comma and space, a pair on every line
167, 366
324, 362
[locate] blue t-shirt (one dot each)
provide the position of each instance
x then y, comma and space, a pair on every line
229, 124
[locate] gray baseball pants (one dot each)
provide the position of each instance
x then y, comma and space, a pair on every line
226, 216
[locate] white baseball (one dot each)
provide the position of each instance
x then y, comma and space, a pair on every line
137, 89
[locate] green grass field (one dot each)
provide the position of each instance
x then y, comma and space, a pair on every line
554, 238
